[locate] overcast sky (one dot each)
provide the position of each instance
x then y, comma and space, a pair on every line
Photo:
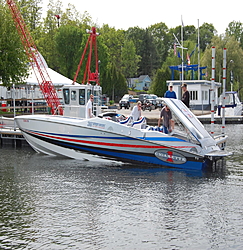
129, 13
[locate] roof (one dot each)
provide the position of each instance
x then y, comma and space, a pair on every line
56, 78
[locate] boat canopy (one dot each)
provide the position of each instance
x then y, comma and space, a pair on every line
190, 121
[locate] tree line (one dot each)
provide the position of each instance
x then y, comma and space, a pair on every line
61, 36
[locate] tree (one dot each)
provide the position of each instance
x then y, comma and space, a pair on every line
206, 33
159, 82
68, 41
13, 60
162, 40
234, 60
45, 43
130, 59
236, 29
31, 13
114, 41
114, 83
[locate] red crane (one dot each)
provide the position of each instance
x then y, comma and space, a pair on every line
88, 75
36, 61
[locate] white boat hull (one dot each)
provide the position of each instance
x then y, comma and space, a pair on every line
82, 139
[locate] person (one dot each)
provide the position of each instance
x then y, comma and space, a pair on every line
89, 113
186, 96
166, 116
170, 93
136, 111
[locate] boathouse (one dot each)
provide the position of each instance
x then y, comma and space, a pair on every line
200, 92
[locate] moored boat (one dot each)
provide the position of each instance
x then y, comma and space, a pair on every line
114, 136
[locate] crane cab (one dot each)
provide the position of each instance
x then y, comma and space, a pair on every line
75, 98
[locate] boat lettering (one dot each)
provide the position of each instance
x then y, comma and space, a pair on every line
170, 156
25, 120
96, 125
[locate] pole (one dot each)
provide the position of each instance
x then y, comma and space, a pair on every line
212, 90
223, 94
198, 41
14, 105
182, 66
32, 101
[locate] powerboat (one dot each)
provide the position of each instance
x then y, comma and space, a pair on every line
233, 105
111, 135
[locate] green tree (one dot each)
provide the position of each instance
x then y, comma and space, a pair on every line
145, 48
13, 60
236, 29
130, 59
114, 40
162, 40
206, 33
114, 83
159, 86
68, 40
45, 43
234, 60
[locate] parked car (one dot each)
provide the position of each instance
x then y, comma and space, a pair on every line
125, 101
145, 98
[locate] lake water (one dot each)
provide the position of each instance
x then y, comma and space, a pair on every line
55, 203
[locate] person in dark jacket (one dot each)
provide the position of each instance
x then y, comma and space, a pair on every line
185, 96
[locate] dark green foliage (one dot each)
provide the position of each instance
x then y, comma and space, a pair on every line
13, 61
159, 82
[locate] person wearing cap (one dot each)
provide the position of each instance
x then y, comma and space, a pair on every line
185, 96
170, 93
89, 113
166, 116
136, 111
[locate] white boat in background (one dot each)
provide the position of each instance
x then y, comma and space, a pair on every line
115, 136
233, 105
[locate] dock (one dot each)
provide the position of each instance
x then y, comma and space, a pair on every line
9, 133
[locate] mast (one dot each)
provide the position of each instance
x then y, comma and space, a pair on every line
198, 42
212, 90
182, 48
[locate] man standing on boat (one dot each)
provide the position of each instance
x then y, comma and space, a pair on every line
89, 113
170, 93
186, 96
136, 111
166, 116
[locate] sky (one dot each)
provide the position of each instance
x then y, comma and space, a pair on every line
130, 13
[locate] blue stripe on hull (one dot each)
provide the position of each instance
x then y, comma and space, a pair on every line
139, 158
131, 156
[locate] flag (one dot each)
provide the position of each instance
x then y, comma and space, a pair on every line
175, 49
188, 59
179, 55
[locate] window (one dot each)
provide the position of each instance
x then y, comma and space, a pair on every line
194, 95
73, 95
66, 96
82, 96
205, 95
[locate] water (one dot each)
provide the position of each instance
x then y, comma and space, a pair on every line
56, 203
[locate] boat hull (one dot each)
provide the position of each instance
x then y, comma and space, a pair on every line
84, 139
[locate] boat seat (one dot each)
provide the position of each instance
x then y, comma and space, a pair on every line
140, 124
128, 121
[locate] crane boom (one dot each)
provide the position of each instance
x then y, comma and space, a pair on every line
36, 61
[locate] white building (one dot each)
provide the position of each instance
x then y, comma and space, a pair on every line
200, 92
